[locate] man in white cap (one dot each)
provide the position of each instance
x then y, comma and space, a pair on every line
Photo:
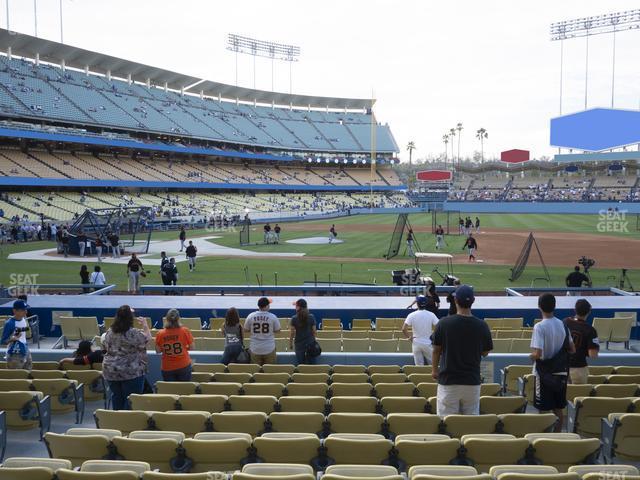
421, 322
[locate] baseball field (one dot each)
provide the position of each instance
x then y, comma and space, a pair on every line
613, 244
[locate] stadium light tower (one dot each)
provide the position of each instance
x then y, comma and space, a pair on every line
587, 27
262, 48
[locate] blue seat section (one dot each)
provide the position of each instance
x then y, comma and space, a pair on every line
308, 134
47, 91
97, 106
384, 140
144, 113
338, 135
180, 115
40, 98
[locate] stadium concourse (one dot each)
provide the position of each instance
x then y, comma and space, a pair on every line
84, 131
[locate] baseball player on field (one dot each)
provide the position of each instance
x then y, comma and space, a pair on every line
439, 237
472, 245
332, 233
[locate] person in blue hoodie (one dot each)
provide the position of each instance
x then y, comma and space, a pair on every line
14, 335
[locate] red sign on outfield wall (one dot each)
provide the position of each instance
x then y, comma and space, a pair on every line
433, 175
514, 156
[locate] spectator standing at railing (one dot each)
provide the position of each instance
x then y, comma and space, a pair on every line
459, 343
84, 278
174, 342
125, 360
233, 337
303, 334
551, 347
262, 326
421, 322
97, 277
585, 339
14, 335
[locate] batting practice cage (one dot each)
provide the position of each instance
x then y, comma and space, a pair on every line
523, 259
448, 219
133, 225
402, 225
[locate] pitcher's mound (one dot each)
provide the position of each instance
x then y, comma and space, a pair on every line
314, 241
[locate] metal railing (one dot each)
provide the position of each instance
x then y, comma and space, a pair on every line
33, 288
319, 287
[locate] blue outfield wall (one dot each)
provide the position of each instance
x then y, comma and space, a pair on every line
541, 207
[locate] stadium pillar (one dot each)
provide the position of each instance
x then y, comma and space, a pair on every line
129, 78
182, 91
86, 70
201, 94
37, 59
9, 53
148, 82
166, 86
63, 65
109, 75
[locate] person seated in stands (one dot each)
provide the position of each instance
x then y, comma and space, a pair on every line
84, 355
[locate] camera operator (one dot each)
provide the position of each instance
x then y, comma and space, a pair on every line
14, 335
577, 278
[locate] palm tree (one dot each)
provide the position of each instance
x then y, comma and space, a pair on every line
445, 139
459, 129
452, 133
411, 146
481, 135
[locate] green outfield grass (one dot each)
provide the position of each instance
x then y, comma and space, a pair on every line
367, 247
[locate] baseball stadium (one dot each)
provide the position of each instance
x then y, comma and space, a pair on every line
135, 193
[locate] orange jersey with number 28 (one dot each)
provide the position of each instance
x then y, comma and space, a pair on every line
174, 343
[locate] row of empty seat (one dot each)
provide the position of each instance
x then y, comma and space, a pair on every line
388, 398
227, 451
24, 468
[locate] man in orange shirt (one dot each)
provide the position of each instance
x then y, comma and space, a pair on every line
174, 342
